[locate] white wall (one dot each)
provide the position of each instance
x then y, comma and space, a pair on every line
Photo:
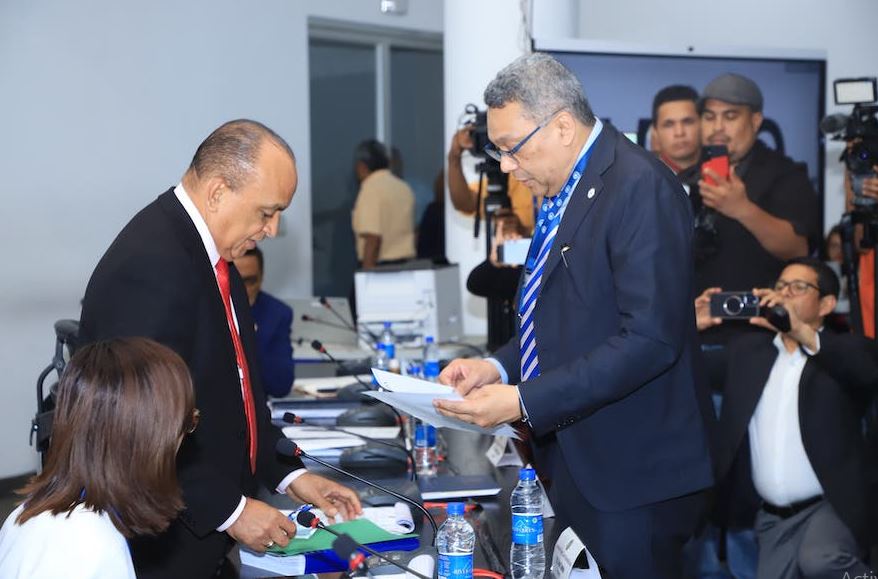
103, 104
846, 30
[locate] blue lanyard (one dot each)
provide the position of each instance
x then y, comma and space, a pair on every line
550, 214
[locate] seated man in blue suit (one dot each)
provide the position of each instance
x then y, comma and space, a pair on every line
602, 371
274, 324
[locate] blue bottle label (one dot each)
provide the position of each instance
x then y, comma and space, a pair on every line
431, 368
527, 528
455, 566
391, 350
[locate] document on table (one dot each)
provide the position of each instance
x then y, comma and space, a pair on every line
414, 396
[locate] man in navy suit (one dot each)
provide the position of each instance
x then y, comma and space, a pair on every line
603, 369
274, 323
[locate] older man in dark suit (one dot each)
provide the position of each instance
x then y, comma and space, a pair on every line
604, 359
167, 276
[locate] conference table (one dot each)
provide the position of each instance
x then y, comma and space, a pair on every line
466, 455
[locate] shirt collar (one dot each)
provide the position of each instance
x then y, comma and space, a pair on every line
595, 131
201, 225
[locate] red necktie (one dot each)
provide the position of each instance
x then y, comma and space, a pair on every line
222, 278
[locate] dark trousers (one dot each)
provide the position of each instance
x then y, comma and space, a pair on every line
646, 541
177, 553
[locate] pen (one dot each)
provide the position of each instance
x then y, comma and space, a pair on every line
564, 249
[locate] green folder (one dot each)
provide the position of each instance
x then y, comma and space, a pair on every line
361, 530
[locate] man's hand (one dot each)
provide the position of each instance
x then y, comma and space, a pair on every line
461, 141
728, 196
508, 228
464, 374
703, 320
261, 526
801, 332
488, 406
329, 496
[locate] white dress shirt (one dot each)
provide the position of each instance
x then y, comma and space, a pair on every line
782, 473
214, 256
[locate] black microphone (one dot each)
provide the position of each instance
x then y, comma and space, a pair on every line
318, 345
313, 320
287, 447
309, 519
831, 124
291, 418
325, 303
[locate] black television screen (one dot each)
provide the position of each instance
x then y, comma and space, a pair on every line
621, 83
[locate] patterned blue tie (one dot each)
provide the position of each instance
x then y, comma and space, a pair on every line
545, 230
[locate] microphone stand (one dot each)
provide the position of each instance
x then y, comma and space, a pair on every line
287, 447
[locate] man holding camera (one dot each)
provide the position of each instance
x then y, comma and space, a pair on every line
792, 417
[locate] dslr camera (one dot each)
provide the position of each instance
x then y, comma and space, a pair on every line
859, 130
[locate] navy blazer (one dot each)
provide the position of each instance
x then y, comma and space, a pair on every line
274, 323
156, 281
616, 338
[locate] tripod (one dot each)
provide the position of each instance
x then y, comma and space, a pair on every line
869, 223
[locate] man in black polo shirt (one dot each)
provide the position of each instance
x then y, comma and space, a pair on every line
765, 212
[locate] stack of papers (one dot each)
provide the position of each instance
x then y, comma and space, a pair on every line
330, 443
415, 396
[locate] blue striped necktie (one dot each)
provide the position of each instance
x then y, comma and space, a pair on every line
545, 230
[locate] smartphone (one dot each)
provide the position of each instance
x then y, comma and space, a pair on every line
513, 252
716, 158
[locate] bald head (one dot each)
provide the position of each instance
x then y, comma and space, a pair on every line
231, 152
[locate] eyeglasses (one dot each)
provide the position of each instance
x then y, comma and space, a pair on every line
497, 154
192, 422
797, 287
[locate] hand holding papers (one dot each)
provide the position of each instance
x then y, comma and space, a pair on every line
415, 397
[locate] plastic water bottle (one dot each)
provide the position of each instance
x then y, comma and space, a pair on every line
425, 449
388, 342
379, 362
431, 359
455, 542
528, 555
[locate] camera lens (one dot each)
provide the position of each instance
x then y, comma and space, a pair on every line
733, 306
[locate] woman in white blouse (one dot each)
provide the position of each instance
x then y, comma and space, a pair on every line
123, 407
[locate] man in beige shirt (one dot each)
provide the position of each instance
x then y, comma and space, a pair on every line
383, 216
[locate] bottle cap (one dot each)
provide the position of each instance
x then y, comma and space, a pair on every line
456, 509
527, 474
429, 339
386, 325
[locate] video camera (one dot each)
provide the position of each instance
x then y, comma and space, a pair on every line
497, 196
859, 130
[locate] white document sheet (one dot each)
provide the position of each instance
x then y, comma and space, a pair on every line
415, 397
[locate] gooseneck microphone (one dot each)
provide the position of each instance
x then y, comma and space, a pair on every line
318, 345
309, 519
325, 303
287, 447
291, 418
313, 320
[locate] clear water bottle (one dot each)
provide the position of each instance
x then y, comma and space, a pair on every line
380, 362
388, 342
528, 555
455, 542
431, 359
425, 449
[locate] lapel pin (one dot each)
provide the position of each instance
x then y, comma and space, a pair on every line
590, 193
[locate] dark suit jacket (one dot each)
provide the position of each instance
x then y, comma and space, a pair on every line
274, 322
155, 280
615, 334
834, 391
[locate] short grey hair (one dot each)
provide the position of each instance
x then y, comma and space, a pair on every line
232, 150
542, 86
